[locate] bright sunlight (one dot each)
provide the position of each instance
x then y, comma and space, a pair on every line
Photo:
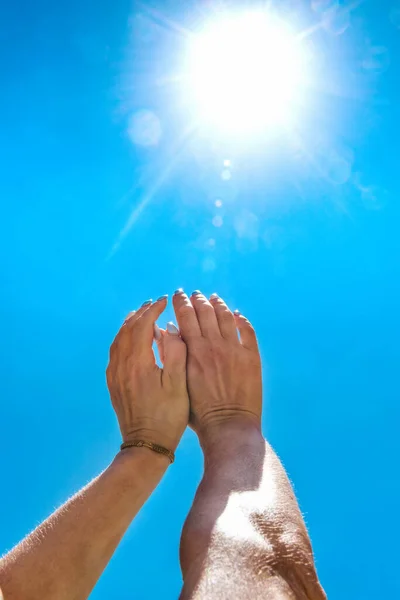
246, 72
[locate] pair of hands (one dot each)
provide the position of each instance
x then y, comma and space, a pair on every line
209, 378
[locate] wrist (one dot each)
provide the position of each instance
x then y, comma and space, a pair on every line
138, 469
129, 458
234, 454
154, 447
229, 435
168, 442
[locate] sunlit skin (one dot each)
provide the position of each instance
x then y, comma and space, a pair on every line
244, 536
64, 557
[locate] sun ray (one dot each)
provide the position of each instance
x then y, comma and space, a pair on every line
154, 189
320, 25
161, 19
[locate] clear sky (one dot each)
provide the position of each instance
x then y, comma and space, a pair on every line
104, 206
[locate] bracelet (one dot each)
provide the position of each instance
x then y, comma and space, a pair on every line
154, 447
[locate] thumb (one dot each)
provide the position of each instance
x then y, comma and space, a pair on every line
159, 335
174, 351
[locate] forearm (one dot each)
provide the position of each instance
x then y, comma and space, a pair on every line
63, 558
245, 536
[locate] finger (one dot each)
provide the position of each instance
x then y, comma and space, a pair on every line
159, 338
248, 336
205, 315
225, 318
186, 316
174, 355
130, 319
135, 314
141, 330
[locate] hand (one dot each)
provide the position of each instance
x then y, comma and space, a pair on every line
151, 403
223, 372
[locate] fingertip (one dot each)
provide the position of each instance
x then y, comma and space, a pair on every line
135, 315
158, 306
248, 336
241, 318
152, 312
179, 297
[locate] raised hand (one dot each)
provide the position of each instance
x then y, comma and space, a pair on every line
151, 403
223, 370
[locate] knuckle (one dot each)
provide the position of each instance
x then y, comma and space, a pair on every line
219, 303
109, 374
205, 309
186, 311
225, 315
113, 348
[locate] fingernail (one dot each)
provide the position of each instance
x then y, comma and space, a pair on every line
172, 329
213, 296
162, 297
147, 302
178, 291
195, 292
236, 312
157, 333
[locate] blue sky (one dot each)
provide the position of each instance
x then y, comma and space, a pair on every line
306, 246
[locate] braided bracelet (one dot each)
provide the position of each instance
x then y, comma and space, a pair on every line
154, 447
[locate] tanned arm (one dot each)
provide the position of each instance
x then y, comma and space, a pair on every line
63, 558
244, 536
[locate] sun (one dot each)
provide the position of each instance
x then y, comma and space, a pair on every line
246, 72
